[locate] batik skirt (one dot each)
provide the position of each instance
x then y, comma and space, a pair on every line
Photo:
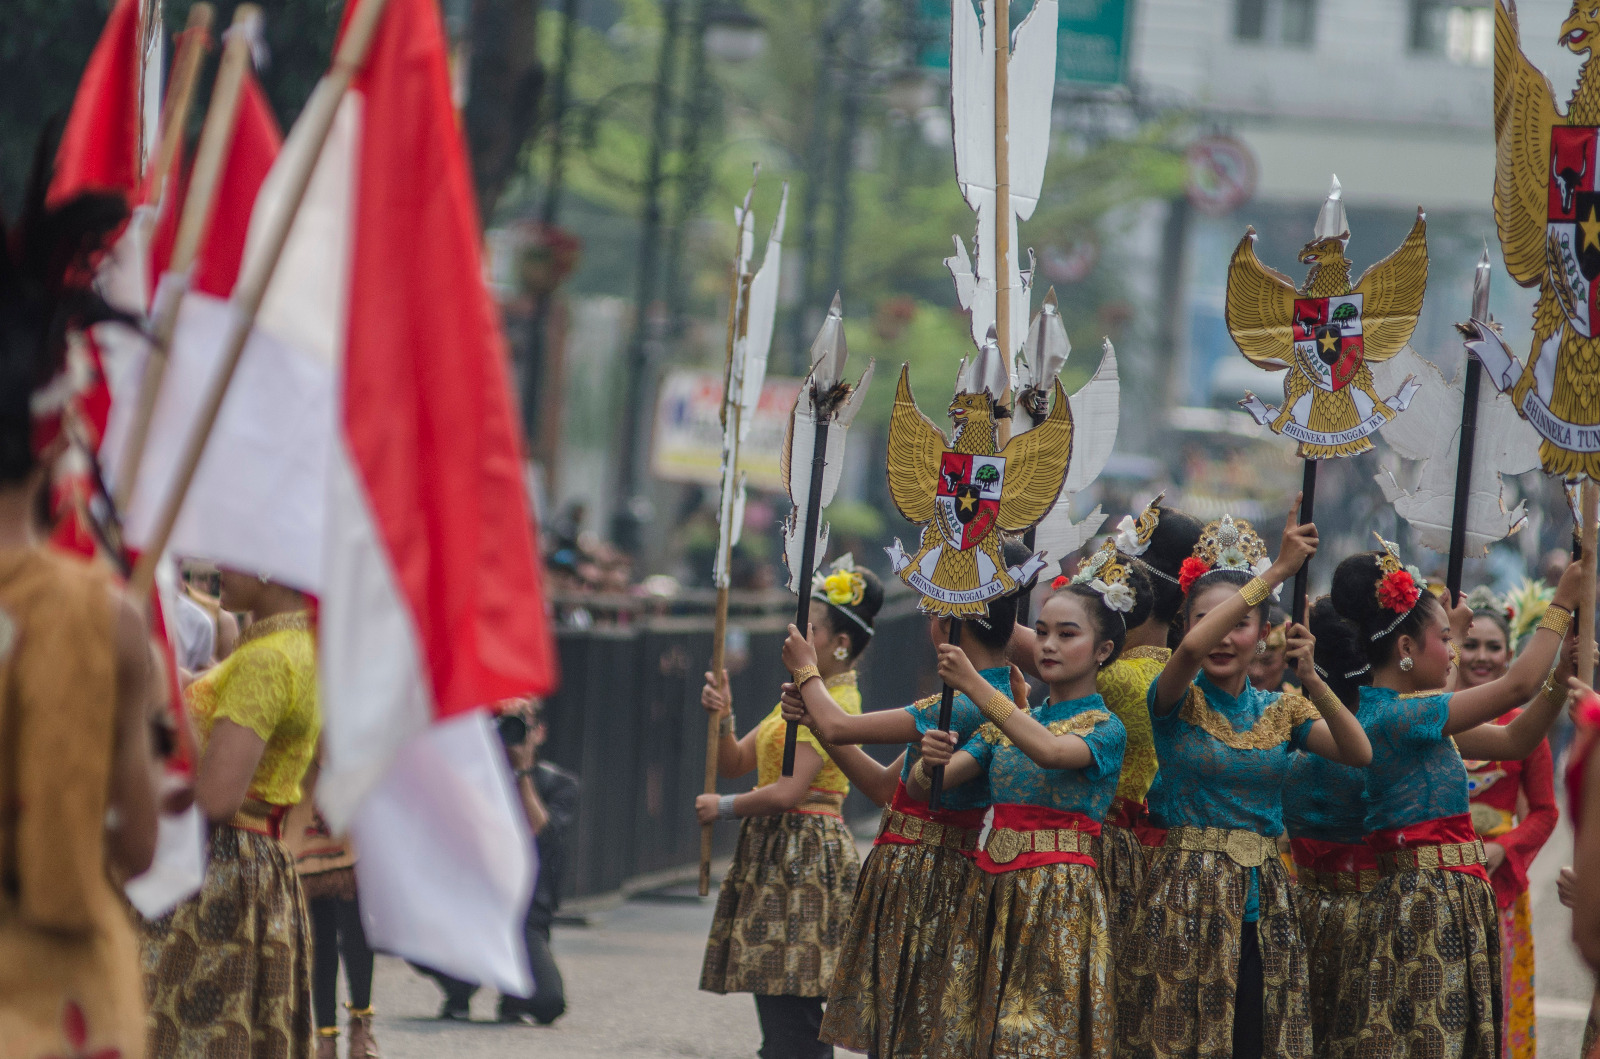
1332, 881
783, 907
1431, 952
1029, 970
885, 991
228, 972
1177, 985
1123, 863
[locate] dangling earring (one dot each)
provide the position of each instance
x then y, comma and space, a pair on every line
841, 653
1406, 664
1261, 647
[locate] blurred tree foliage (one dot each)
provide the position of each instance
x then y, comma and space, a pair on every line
892, 172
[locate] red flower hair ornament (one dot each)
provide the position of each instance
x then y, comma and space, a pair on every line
1191, 571
1399, 587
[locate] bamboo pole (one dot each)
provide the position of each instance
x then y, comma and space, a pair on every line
319, 113
732, 415
1591, 522
216, 136
193, 43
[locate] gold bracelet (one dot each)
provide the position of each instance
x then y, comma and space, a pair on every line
998, 708
725, 726
1255, 592
1553, 691
919, 775
1327, 703
805, 673
1557, 619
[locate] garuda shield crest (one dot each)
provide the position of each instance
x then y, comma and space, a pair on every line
969, 497
1327, 333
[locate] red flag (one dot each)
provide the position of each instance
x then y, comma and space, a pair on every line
100, 145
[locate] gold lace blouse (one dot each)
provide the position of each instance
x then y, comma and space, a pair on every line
268, 685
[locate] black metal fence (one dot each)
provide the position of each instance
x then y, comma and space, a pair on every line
628, 721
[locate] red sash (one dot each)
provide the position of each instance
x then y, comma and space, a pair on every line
1450, 833
971, 819
1135, 816
1026, 836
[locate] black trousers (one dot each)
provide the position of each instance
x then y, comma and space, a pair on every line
1248, 1000
335, 932
549, 1000
789, 1027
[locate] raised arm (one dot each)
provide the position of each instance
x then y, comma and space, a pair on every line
1010, 714
1338, 736
1522, 681
1299, 544
828, 719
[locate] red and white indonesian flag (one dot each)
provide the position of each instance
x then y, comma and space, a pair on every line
367, 452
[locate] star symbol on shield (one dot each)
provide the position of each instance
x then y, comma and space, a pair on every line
1591, 230
1330, 341
967, 502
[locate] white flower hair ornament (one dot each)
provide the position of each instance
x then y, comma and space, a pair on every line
1133, 535
1107, 575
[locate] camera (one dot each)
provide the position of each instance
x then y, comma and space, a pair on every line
513, 728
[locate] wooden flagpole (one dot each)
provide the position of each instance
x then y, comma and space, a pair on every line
193, 43
216, 136
732, 414
319, 113
1590, 505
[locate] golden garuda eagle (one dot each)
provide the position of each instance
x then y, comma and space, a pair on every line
1547, 210
967, 492
1326, 332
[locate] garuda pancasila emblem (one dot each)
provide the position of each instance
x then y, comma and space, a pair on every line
1327, 332
1547, 210
968, 492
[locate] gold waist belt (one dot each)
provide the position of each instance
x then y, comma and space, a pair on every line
1006, 845
1447, 855
821, 801
929, 832
1245, 848
1343, 882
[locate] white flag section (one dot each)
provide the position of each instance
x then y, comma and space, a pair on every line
179, 866
431, 872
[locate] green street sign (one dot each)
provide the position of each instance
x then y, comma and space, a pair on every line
1091, 39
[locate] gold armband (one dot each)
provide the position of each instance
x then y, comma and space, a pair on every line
1557, 619
1255, 591
1327, 703
998, 708
805, 673
919, 775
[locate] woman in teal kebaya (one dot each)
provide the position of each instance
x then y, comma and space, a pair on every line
1434, 990
1030, 954
1217, 966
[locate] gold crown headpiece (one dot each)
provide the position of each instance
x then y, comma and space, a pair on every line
1226, 544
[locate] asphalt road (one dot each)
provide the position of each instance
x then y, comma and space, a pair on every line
631, 976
